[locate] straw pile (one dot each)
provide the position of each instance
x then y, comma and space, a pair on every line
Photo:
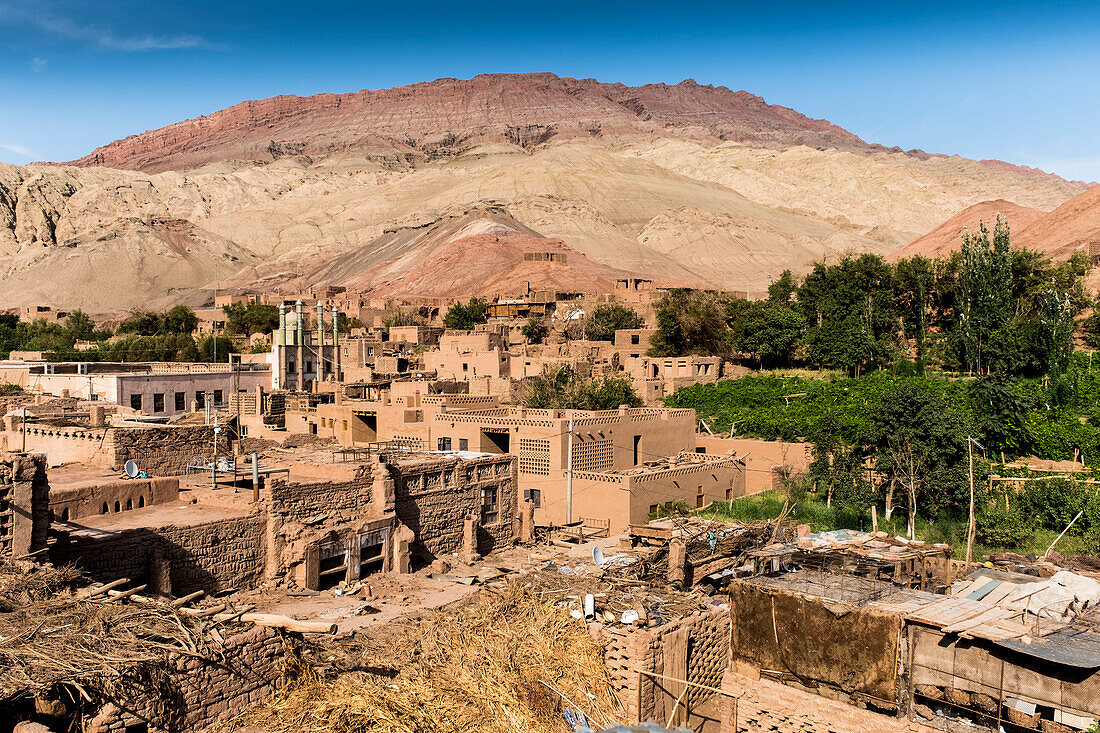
50, 638
499, 663
23, 582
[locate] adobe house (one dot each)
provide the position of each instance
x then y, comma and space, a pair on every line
630, 496
607, 440
466, 355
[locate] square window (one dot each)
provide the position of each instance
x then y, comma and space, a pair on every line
200, 399
534, 496
463, 444
444, 443
158, 402
135, 401
181, 401
634, 339
217, 397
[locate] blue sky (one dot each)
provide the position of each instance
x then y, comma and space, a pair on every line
1010, 80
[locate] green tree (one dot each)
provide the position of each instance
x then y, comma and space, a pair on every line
79, 325
562, 389
914, 287
225, 346
770, 332
246, 319
142, 323
852, 319
836, 469
179, 320
607, 318
1000, 413
782, 290
689, 322
463, 317
918, 441
535, 330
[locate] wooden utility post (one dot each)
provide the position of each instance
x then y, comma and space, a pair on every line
970, 525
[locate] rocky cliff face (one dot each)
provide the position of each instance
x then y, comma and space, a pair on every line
446, 116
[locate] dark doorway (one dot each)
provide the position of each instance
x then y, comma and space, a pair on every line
496, 442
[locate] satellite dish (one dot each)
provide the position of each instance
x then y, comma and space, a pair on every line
131, 469
597, 556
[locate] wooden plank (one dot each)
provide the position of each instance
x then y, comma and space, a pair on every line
982, 590
990, 615
1000, 593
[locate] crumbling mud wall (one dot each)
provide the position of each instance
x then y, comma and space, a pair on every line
24, 504
299, 501
694, 647
194, 694
433, 498
110, 497
784, 632
164, 451
213, 556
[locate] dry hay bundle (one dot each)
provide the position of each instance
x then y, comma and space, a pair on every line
23, 582
108, 647
478, 667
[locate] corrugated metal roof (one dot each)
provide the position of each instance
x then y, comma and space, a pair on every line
1071, 647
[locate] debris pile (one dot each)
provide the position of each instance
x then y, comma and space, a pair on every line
501, 662
715, 550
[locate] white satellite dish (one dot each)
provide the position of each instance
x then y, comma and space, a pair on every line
597, 556
131, 469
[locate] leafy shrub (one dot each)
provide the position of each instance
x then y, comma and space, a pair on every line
1000, 527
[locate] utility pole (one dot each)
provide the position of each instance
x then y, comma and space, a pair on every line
569, 473
970, 443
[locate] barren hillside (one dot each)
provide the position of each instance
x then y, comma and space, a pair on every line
947, 237
697, 184
1068, 228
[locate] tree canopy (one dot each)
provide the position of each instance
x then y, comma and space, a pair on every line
464, 316
607, 318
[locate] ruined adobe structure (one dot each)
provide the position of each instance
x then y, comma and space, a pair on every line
314, 534
436, 498
24, 505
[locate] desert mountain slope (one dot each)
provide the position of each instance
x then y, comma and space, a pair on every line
463, 252
1072, 226
446, 116
688, 183
947, 237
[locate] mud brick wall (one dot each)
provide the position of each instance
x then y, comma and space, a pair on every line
200, 694
213, 556
434, 497
707, 661
24, 504
295, 501
164, 451
77, 502
767, 706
